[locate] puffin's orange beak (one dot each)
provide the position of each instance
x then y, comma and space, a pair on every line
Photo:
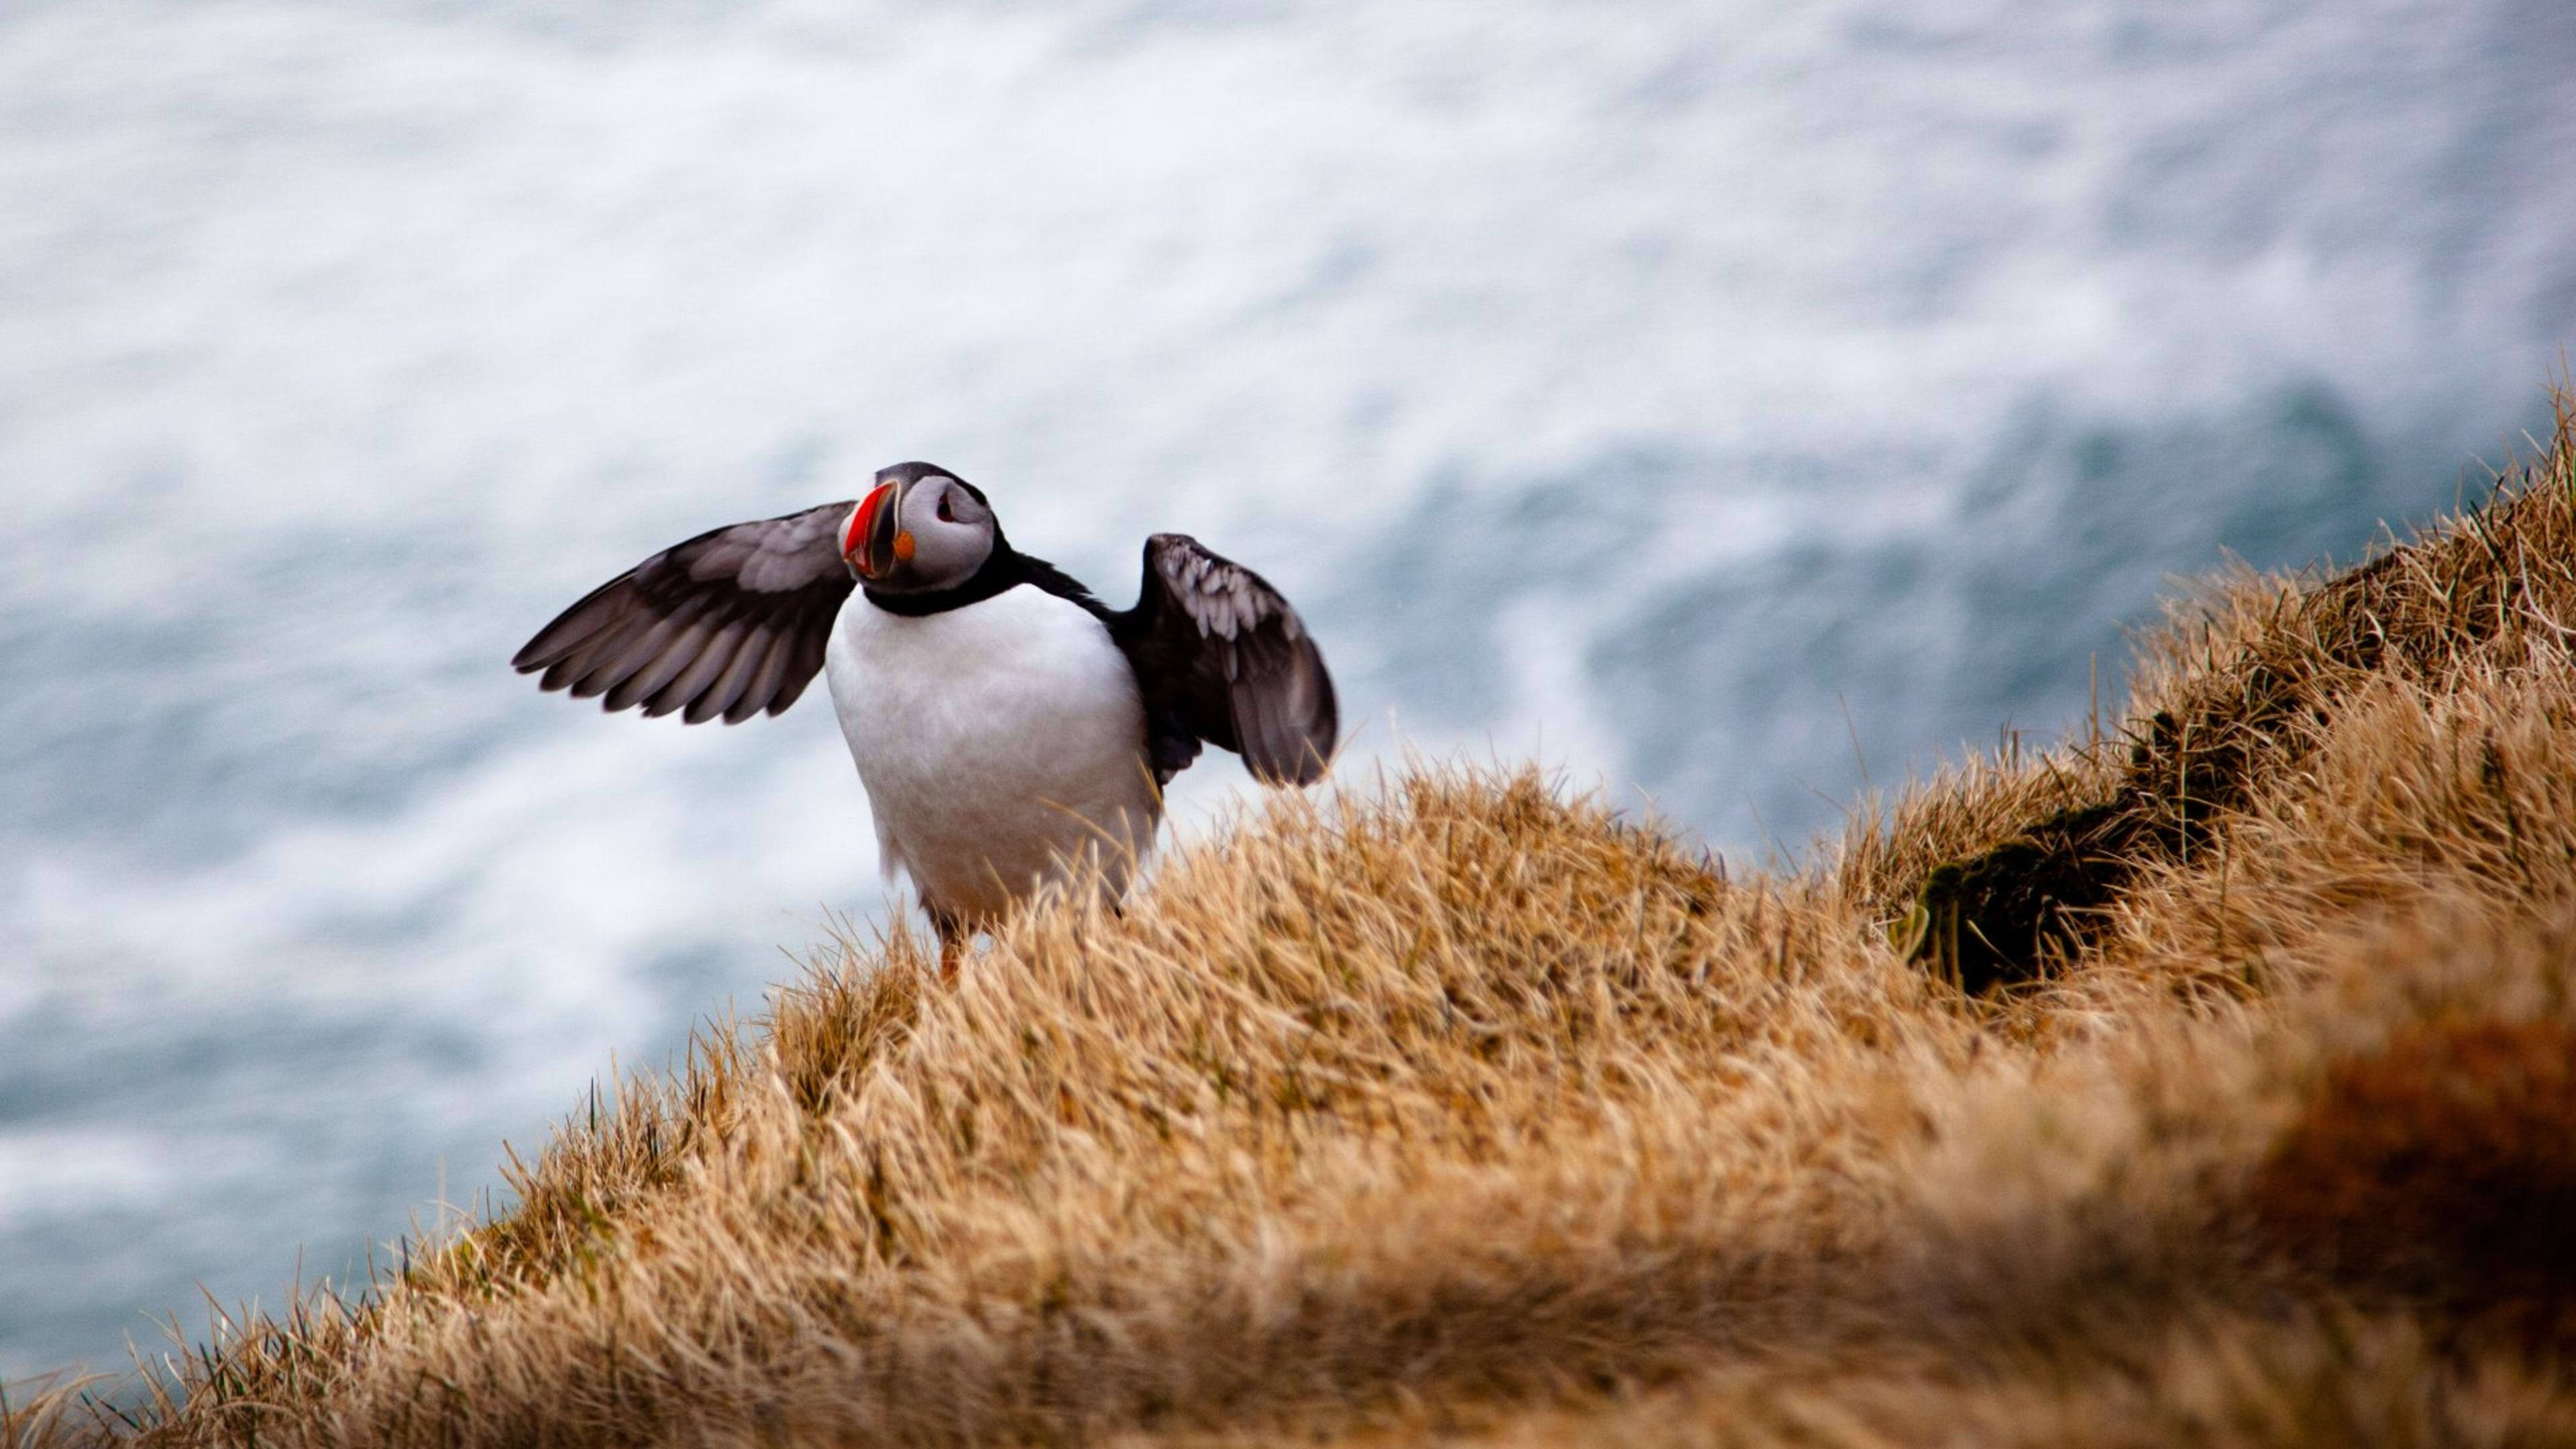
872, 546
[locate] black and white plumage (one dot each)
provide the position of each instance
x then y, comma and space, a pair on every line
1006, 723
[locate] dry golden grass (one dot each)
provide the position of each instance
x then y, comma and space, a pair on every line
1448, 1106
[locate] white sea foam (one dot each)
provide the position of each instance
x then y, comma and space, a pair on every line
1639, 384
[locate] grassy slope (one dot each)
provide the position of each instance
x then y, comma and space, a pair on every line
1450, 1105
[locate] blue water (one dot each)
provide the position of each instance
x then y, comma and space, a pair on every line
1721, 402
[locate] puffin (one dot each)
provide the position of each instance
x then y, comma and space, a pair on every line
1011, 731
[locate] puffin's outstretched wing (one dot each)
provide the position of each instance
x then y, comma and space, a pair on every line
730, 623
1220, 655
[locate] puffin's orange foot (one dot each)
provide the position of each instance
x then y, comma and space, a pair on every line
953, 935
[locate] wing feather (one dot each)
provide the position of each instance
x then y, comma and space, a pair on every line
709, 657
559, 674
644, 657
762, 686
803, 664
720, 694
730, 623
575, 626
648, 655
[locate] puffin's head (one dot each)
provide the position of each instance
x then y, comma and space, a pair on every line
921, 528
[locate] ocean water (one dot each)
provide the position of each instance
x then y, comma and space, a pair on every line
1722, 402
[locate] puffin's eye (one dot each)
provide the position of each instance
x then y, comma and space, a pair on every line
946, 514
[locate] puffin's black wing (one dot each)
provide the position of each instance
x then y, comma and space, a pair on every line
730, 623
1222, 657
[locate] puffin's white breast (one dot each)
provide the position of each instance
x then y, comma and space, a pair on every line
997, 742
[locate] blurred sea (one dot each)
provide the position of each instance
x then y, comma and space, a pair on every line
1706, 398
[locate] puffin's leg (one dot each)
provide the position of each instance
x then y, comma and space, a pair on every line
953, 935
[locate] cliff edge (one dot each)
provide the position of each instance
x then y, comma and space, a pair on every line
2210, 1078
